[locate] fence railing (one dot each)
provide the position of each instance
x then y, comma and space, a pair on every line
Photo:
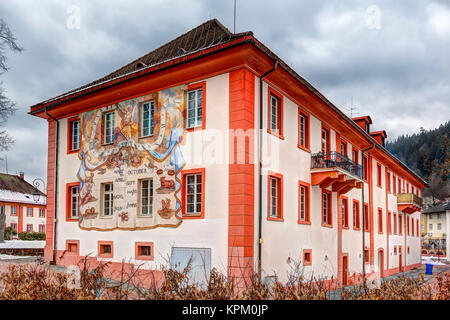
409, 198
334, 159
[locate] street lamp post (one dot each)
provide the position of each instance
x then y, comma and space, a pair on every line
37, 183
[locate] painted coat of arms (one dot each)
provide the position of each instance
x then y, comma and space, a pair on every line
130, 180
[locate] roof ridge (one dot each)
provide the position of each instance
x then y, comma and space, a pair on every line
173, 41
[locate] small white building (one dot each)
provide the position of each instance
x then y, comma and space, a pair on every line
24, 213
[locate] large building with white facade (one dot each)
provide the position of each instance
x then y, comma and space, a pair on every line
211, 146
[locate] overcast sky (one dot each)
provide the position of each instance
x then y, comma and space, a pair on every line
390, 57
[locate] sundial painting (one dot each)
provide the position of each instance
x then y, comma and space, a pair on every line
132, 161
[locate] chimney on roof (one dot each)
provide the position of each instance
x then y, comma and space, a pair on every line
21, 175
364, 122
380, 136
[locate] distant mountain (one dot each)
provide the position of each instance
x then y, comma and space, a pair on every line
427, 153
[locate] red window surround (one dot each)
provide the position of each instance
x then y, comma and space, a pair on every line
355, 215
303, 121
105, 249
366, 217
344, 211
73, 247
379, 175
343, 148
326, 211
400, 225
194, 86
380, 220
69, 200
144, 250
388, 182
388, 224
307, 257
279, 178
185, 173
279, 97
306, 187
325, 138
365, 168
69, 134
395, 223
355, 155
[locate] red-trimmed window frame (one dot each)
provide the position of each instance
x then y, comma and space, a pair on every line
43, 227
365, 168
417, 229
100, 248
389, 223
366, 255
71, 245
306, 146
345, 224
29, 224
138, 253
379, 180
400, 224
41, 216
329, 209
70, 134
380, 221
358, 215
388, 182
395, 223
344, 144
13, 226
328, 139
307, 257
280, 107
69, 201
11, 212
279, 177
307, 187
366, 217
355, 155
185, 173
196, 86
28, 210
394, 184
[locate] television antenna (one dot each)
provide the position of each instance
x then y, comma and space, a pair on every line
234, 20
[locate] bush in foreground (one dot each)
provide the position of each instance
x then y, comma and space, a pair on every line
32, 282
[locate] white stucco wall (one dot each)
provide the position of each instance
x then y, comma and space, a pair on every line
210, 232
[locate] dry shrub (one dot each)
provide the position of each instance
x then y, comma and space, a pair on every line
401, 288
33, 282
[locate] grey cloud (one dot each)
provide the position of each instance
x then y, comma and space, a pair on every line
398, 74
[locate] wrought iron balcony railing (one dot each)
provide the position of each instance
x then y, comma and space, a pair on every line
409, 198
334, 159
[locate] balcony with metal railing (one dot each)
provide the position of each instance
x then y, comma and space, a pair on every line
336, 170
334, 159
408, 202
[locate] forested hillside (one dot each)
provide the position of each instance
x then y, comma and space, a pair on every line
427, 153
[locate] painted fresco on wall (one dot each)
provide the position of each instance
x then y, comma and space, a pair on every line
130, 158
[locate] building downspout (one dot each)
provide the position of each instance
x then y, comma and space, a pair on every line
260, 239
363, 216
55, 204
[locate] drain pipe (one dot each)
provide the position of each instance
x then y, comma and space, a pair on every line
55, 204
260, 239
363, 217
